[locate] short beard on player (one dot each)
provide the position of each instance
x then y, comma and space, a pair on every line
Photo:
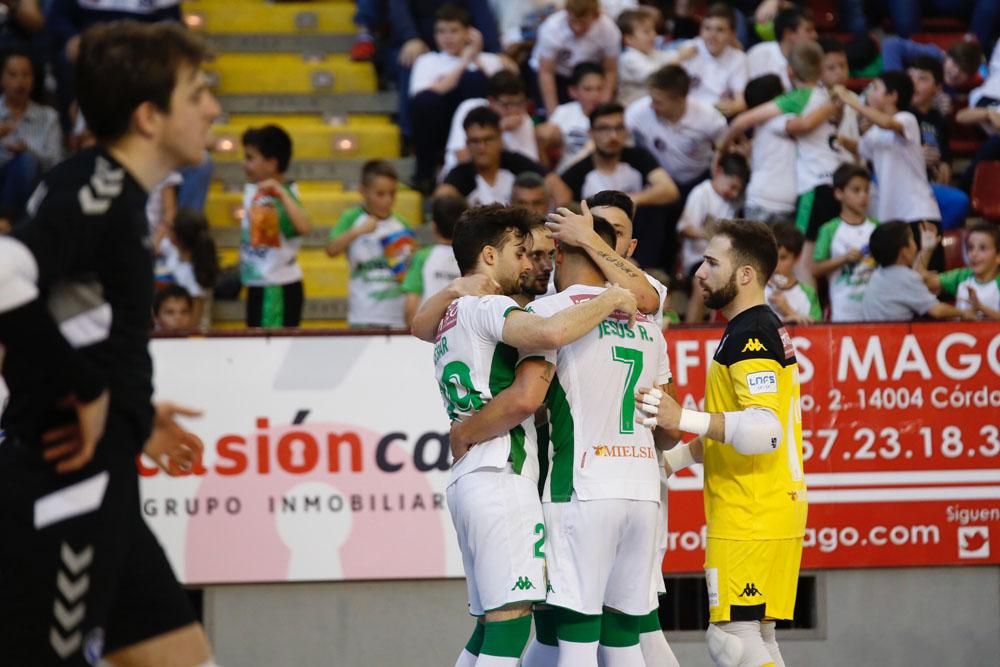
530, 285
723, 296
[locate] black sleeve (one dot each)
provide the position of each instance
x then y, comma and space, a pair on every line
462, 178
944, 137
759, 335
641, 159
517, 163
576, 175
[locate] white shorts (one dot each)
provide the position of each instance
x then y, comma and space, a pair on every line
600, 554
498, 518
659, 587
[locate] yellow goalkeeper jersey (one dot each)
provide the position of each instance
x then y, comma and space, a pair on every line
763, 496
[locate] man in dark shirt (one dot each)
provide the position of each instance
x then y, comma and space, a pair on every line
81, 574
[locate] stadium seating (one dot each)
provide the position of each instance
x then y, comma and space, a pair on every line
985, 195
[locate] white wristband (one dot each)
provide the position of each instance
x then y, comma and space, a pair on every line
678, 457
695, 422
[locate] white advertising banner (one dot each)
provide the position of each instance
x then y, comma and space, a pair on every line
325, 459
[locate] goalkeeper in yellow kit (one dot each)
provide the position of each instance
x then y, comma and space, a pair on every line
751, 445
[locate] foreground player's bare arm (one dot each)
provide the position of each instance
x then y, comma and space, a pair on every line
528, 331
428, 316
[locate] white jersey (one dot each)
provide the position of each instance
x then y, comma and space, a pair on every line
903, 190
472, 365
557, 42
519, 140
770, 187
634, 68
599, 448
684, 149
818, 156
575, 128
703, 205
847, 284
768, 58
716, 78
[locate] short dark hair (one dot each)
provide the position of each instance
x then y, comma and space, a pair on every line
272, 142
530, 180
929, 64
845, 172
898, 82
605, 230
788, 236
631, 18
831, 45
581, 70
372, 169
170, 291
762, 89
453, 14
483, 117
721, 10
752, 244
445, 213
123, 64
505, 82
606, 109
17, 52
613, 199
671, 79
991, 229
734, 164
487, 226
887, 240
968, 55
790, 19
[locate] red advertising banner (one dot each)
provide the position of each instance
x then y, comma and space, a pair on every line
901, 442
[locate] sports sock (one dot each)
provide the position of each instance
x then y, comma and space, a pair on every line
544, 650
655, 649
504, 641
771, 642
738, 644
468, 656
578, 635
619, 644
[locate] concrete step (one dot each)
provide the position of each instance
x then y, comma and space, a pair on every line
280, 73
383, 102
221, 17
346, 172
318, 141
309, 43
229, 237
224, 209
323, 277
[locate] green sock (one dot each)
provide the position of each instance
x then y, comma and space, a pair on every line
546, 622
650, 622
507, 639
579, 628
619, 630
475, 644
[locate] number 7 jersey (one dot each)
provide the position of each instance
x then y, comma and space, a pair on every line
599, 449
472, 365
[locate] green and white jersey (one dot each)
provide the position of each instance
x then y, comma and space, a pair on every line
375, 296
847, 284
817, 155
275, 262
599, 448
431, 270
472, 365
958, 282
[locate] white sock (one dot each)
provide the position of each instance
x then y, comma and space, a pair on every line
540, 655
621, 656
656, 651
576, 654
495, 661
466, 659
771, 642
754, 653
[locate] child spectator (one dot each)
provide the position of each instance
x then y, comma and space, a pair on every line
718, 71
959, 64
197, 267
172, 309
791, 26
378, 244
896, 291
713, 199
442, 79
271, 231
770, 192
977, 286
568, 127
579, 33
488, 177
641, 57
926, 74
434, 266
794, 302
507, 97
842, 250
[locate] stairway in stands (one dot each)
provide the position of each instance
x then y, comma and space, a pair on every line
286, 63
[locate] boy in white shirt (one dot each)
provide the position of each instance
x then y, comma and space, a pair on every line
714, 199
442, 79
977, 286
718, 71
379, 245
565, 137
641, 58
791, 26
580, 33
433, 267
794, 302
771, 190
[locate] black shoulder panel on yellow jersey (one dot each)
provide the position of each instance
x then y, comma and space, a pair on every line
756, 333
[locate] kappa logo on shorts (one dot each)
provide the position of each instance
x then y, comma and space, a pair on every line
754, 345
522, 584
749, 591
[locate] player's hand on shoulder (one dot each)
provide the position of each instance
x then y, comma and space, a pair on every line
72, 446
474, 285
172, 447
624, 301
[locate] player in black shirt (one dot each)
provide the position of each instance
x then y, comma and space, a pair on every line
81, 575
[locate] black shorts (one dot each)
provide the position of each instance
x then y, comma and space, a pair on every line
814, 208
81, 574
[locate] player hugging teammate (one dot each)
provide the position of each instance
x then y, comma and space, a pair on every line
591, 548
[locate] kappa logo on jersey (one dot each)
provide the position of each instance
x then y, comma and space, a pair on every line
522, 584
105, 184
749, 591
754, 345
762, 382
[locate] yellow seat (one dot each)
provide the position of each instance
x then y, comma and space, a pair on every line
220, 16
269, 73
317, 141
323, 277
224, 209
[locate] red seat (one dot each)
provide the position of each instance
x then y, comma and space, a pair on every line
986, 190
943, 40
857, 84
825, 14
953, 243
